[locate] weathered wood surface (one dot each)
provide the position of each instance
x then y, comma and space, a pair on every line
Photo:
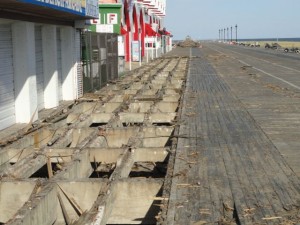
273, 103
227, 171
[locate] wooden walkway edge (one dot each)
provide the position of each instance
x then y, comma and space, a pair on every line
227, 171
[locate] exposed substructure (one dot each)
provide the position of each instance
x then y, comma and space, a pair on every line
105, 163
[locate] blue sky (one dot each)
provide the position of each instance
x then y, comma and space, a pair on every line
202, 19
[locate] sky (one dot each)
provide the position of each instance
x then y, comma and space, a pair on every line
202, 19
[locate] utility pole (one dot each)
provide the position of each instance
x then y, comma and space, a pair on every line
236, 39
231, 34
224, 34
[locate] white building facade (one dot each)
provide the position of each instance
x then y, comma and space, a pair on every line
39, 55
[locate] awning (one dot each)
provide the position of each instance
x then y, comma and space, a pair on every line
123, 31
165, 32
149, 31
35, 10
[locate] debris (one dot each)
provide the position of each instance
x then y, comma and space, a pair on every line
245, 67
204, 211
188, 162
102, 131
49, 167
53, 140
30, 125
272, 218
190, 114
189, 185
227, 207
181, 173
193, 154
248, 212
59, 166
160, 199
201, 222
275, 87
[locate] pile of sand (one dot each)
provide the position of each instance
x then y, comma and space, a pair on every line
188, 43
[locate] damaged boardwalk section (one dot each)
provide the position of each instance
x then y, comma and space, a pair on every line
102, 162
171, 143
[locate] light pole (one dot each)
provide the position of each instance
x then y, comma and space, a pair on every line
221, 34
236, 26
227, 34
231, 34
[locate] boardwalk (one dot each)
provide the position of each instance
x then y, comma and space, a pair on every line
202, 136
227, 169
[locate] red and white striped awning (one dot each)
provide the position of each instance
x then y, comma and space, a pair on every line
154, 7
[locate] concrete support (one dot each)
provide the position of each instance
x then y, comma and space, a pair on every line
80, 168
50, 66
137, 197
26, 167
24, 72
64, 155
124, 165
68, 63
83, 192
13, 196
41, 209
86, 108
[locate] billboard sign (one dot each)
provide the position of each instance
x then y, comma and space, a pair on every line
84, 8
135, 51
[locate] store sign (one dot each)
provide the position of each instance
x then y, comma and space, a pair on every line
104, 28
79, 7
96, 21
112, 18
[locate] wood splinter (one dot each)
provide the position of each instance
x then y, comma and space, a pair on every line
272, 218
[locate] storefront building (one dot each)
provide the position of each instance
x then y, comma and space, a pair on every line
142, 22
40, 48
40, 55
109, 18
